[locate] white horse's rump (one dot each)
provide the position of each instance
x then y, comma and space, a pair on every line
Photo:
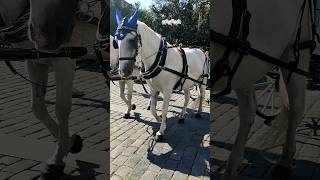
273, 29
134, 36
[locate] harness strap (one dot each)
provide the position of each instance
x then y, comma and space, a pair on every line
184, 71
159, 62
222, 68
18, 31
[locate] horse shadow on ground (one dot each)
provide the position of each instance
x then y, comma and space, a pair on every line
183, 148
85, 171
96, 103
257, 167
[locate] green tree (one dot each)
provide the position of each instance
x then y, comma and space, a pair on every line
194, 14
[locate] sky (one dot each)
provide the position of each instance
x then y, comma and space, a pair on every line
144, 3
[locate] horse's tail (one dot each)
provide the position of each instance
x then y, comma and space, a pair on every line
275, 135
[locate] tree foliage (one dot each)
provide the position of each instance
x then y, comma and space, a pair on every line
194, 15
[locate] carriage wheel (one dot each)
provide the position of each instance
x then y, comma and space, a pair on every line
267, 96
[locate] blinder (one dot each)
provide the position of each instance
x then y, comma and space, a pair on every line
121, 33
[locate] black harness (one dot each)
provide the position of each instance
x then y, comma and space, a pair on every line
160, 60
158, 63
237, 41
16, 32
184, 71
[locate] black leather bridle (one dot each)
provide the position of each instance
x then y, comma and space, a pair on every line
136, 42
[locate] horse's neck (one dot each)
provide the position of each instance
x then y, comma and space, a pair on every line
150, 45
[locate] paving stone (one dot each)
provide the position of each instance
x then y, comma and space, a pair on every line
7, 160
5, 175
25, 175
20, 166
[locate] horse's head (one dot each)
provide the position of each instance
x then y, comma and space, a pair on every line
127, 41
51, 23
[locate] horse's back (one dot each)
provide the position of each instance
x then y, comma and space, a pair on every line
195, 57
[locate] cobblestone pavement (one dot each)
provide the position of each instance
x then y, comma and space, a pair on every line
184, 154
26, 144
255, 167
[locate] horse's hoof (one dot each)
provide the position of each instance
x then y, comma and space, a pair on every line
148, 108
77, 144
126, 116
52, 172
133, 107
181, 121
281, 172
198, 116
159, 138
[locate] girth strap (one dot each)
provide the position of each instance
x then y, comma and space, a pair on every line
184, 71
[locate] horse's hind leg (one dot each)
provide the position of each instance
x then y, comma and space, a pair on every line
38, 73
201, 94
183, 113
247, 108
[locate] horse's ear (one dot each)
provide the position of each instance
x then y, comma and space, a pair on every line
133, 19
118, 17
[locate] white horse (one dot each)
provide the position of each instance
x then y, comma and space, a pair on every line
273, 33
135, 37
114, 62
51, 26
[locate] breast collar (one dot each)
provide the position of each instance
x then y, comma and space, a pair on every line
158, 63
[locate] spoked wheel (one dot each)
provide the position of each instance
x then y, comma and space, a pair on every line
267, 96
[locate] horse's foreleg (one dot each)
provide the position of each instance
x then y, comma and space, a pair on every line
122, 85
64, 73
153, 103
296, 94
247, 108
165, 105
201, 94
130, 90
38, 73
184, 109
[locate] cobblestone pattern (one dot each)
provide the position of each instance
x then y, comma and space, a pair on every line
223, 132
88, 119
134, 154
